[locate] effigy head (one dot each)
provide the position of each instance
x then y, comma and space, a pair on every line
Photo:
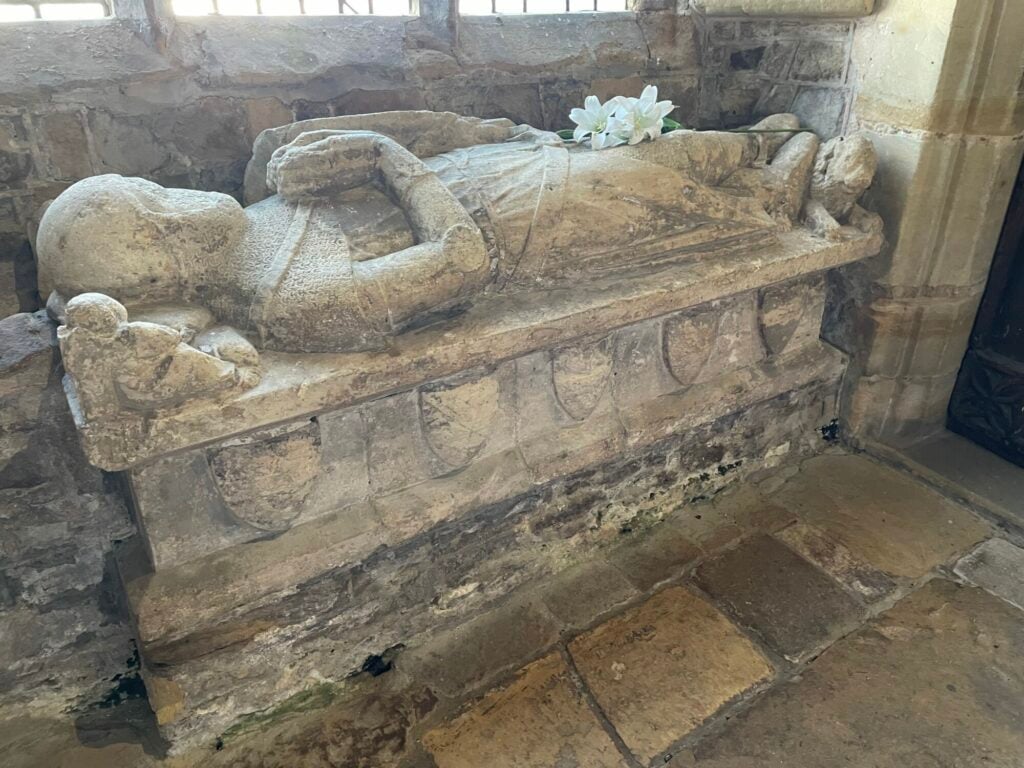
131, 238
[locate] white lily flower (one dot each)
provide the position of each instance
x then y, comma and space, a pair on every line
608, 138
620, 120
638, 119
592, 120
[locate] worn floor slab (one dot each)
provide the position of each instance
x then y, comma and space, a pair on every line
540, 719
998, 566
475, 653
654, 556
779, 595
660, 670
883, 517
938, 681
837, 561
968, 471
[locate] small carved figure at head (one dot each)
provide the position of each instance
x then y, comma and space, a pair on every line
131, 238
843, 170
97, 314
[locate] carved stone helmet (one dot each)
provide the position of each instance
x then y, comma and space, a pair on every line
131, 238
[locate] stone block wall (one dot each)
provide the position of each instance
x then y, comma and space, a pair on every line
757, 67
64, 636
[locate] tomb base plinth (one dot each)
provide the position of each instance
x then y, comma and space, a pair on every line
353, 503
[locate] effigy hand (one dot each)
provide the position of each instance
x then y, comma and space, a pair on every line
319, 162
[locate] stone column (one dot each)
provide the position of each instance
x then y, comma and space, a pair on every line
938, 93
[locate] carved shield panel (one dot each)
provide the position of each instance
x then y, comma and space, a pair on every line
457, 418
580, 377
789, 315
689, 340
264, 482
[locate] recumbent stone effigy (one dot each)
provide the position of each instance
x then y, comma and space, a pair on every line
417, 317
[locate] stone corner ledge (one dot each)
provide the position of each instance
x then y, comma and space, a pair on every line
786, 8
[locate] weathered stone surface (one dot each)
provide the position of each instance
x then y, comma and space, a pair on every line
482, 437
968, 180
64, 642
785, 8
934, 43
884, 518
26, 365
255, 611
820, 109
365, 721
189, 131
965, 470
919, 337
738, 511
758, 68
691, 642
937, 680
779, 595
34, 742
998, 566
480, 651
540, 719
837, 561
819, 61
64, 136
914, 406
790, 315
580, 595
945, 133
654, 556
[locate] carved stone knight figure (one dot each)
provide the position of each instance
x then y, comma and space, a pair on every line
360, 227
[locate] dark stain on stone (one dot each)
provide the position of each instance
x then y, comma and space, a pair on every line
123, 715
830, 433
724, 469
377, 664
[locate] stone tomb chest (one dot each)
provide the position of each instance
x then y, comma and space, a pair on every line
364, 407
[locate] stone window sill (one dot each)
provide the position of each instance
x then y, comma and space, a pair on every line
786, 8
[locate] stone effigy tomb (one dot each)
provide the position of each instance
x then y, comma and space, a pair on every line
347, 412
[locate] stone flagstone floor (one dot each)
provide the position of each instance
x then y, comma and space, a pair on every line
839, 614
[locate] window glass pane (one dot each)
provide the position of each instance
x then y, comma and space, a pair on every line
356, 6
510, 6
611, 5
545, 6
193, 7
322, 7
71, 11
281, 7
16, 13
474, 7
391, 7
237, 7
581, 5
